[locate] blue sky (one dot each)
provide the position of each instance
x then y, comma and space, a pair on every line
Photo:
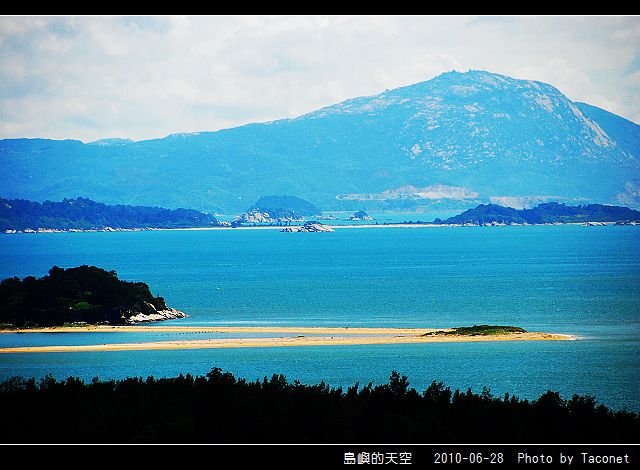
145, 77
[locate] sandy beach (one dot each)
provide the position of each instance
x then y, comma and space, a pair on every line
283, 337
312, 330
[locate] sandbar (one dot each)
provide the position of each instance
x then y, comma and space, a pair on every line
283, 337
223, 329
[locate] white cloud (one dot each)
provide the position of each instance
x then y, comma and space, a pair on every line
145, 77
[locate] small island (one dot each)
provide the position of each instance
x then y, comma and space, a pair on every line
81, 295
478, 330
278, 210
361, 216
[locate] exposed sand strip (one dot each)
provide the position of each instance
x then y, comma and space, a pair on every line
384, 336
309, 330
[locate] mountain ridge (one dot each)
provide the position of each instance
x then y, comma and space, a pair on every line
477, 134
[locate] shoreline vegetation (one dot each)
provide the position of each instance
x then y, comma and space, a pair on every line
82, 214
280, 337
220, 408
478, 330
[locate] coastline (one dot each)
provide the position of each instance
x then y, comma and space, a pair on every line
335, 227
287, 337
249, 227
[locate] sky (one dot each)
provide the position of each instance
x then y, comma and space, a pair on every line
146, 77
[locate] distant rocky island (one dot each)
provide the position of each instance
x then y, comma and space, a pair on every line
84, 294
278, 210
361, 216
85, 214
547, 213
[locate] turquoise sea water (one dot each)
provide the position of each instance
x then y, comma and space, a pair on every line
578, 280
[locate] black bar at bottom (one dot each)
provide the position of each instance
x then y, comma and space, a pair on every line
455, 455
419, 456
355, 455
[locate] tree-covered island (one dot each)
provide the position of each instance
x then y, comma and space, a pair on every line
547, 213
477, 330
85, 214
85, 294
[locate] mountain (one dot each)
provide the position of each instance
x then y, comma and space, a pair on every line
548, 213
451, 142
84, 214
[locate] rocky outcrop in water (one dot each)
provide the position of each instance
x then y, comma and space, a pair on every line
147, 312
309, 227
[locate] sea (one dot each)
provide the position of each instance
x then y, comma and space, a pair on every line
572, 279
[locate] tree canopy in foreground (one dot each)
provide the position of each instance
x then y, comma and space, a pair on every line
219, 408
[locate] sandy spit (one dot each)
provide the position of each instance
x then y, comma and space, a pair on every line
319, 330
319, 337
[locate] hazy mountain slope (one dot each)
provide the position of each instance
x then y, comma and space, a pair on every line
457, 139
624, 133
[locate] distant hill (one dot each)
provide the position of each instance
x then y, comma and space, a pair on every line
284, 207
452, 142
85, 214
551, 212
83, 294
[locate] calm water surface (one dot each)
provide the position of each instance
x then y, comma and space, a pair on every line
568, 279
